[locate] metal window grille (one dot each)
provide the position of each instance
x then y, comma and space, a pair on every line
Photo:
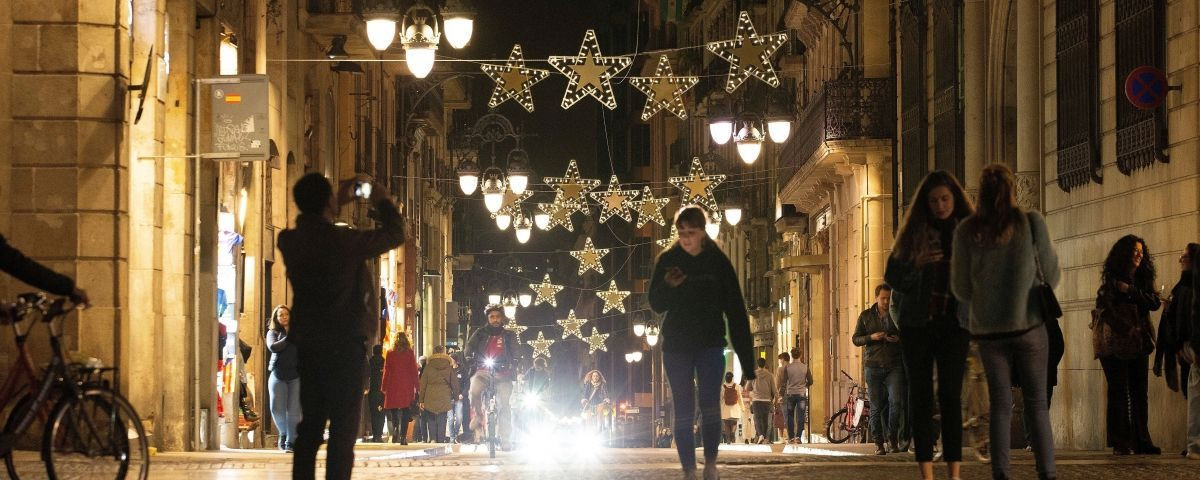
913, 153
1141, 40
1078, 93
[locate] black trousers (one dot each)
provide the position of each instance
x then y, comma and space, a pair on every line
945, 344
332, 375
1128, 416
398, 419
378, 417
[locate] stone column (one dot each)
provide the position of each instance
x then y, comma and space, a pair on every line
974, 65
1029, 118
61, 135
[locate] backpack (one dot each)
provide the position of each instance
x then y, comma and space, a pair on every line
731, 396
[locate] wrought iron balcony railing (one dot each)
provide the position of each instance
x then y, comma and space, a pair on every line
849, 109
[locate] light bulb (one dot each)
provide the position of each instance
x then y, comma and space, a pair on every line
713, 229
749, 150
518, 182
381, 32
542, 220
493, 194
525, 299
779, 130
639, 329
458, 31
493, 298
420, 60
468, 183
637, 356
510, 310
733, 215
503, 220
721, 130
652, 337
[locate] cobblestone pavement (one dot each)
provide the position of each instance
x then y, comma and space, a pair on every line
832, 462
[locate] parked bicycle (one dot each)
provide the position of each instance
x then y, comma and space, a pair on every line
854, 419
89, 429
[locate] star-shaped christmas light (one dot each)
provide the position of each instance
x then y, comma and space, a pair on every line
571, 187
697, 187
614, 201
541, 346
512, 326
546, 291
589, 73
560, 214
613, 299
595, 341
589, 257
571, 325
667, 242
511, 204
748, 53
649, 209
664, 90
513, 80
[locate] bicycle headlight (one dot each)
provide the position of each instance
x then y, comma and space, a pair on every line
489, 362
531, 400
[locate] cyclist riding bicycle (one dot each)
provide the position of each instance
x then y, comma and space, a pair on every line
492, 350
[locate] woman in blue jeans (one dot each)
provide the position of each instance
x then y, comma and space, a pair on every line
695, 284
284, 382
1001, 254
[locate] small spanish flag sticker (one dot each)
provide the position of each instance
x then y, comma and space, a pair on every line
233, 98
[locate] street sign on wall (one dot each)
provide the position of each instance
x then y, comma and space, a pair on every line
238, 117
1146, 87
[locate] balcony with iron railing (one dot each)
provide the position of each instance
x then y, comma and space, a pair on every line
844, 110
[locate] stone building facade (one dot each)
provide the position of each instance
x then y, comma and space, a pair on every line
126, 207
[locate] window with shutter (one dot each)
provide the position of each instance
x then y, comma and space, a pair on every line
1078, 93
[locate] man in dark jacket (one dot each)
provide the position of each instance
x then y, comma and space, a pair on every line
884, 369
493, 351
331, 323
375, 394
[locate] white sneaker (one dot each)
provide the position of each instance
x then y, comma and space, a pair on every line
710, 472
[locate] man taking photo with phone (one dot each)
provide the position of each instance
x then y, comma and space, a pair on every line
328, 269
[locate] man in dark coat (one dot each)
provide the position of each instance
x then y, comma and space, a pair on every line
492, 349
327, 267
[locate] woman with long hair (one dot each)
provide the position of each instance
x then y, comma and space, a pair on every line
593, 397
1128, 278
930, 319
284, 382
998, 253
400, 387
1174, 357
696, 286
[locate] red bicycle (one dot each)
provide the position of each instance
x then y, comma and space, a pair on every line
853, 420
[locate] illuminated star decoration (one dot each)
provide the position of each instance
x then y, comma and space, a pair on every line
667, 242
748, 53
513, 80
560, 214
664, 90
589, 73
649, 209
697, 187
512, 326
613, 299
614, 201
511, 204
571, 325
572, 189
541, 346
595, 341
589, 257
546, 291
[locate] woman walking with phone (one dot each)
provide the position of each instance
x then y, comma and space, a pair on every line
929, 316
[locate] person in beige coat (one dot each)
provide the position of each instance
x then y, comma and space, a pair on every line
437, 389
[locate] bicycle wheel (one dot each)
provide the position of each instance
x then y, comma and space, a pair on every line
96, 436
22, 461
836, 430
491, 433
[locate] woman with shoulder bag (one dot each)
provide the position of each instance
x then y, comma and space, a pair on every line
1003, 261
930, 328
1123, 341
